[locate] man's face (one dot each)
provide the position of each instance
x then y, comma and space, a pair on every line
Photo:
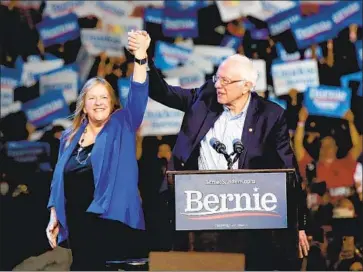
230, 85
328, 149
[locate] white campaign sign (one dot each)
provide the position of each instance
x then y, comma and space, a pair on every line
215, 54
229, 10
7, 96
160, 120
295, 74
35, 68
67, 81
260, 66
97, 41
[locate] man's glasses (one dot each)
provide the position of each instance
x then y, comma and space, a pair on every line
224, 81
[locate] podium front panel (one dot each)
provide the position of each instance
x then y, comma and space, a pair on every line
222, 201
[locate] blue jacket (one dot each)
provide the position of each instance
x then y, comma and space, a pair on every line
114, 165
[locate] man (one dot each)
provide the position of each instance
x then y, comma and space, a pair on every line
226, 109
335, 172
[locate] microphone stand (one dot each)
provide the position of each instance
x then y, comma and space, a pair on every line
230, 161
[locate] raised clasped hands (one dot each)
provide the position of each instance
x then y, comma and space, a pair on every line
138, 43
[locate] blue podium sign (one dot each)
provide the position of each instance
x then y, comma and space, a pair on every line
231, 201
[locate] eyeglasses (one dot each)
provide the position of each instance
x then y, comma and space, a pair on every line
224, 81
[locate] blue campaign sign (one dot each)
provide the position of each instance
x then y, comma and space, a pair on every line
344, 81
154, 15
26, 151
46, 108
123, 85
59, 30
231, 41
280, 102
313, 30
282, 21
169, 56
284, 55
359, 52
10, 77
330, 101
178, 23
345, 13
230, 201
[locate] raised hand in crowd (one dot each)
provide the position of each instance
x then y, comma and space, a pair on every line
356, 149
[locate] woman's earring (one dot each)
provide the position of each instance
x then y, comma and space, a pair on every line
84, 118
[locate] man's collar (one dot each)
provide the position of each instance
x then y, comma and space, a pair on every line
226, 109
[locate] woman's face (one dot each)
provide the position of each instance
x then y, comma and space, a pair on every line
97, 104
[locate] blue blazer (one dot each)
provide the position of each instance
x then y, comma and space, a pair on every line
265, 135
114, 166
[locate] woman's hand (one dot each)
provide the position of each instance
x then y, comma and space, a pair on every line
52, 229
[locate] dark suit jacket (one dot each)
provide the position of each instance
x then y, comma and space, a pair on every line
265, 134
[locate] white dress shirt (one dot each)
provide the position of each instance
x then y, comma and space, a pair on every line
226, 129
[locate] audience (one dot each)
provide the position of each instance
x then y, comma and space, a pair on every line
328, 150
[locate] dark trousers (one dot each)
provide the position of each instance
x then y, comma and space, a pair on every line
94, 240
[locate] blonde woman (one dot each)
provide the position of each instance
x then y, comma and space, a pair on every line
94, 192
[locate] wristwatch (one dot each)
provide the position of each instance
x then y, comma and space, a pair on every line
141, 61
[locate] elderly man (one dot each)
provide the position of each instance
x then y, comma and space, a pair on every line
225, 109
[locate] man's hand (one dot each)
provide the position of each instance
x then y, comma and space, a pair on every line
349, 116
138, 43
304, 246
303, 114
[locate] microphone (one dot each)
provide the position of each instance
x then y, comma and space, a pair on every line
221, 149
238, 149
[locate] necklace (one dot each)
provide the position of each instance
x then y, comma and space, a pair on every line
80, 149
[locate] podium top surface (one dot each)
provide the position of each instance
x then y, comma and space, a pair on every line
231, 171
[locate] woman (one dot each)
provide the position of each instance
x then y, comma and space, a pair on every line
94, 192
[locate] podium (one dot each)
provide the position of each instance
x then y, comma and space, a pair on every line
230, 200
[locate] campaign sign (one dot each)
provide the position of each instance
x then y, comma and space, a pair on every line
231, 42
84, 62
46, 108
96, 41
313, 30
296, 74
123, 85
10, 77
67, 81
260, 67
26, 151
160, 120
346, 79
168, 55
328, 101
55, 9
153, 15
345, 13
359, 51
59, 30
215, 54
282, 21
280, 102
179, 21
230, 201
284, 55
192, 80
7, 97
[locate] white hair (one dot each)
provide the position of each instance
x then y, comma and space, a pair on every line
245, 67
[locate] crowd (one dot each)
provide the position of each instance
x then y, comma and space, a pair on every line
328, 149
